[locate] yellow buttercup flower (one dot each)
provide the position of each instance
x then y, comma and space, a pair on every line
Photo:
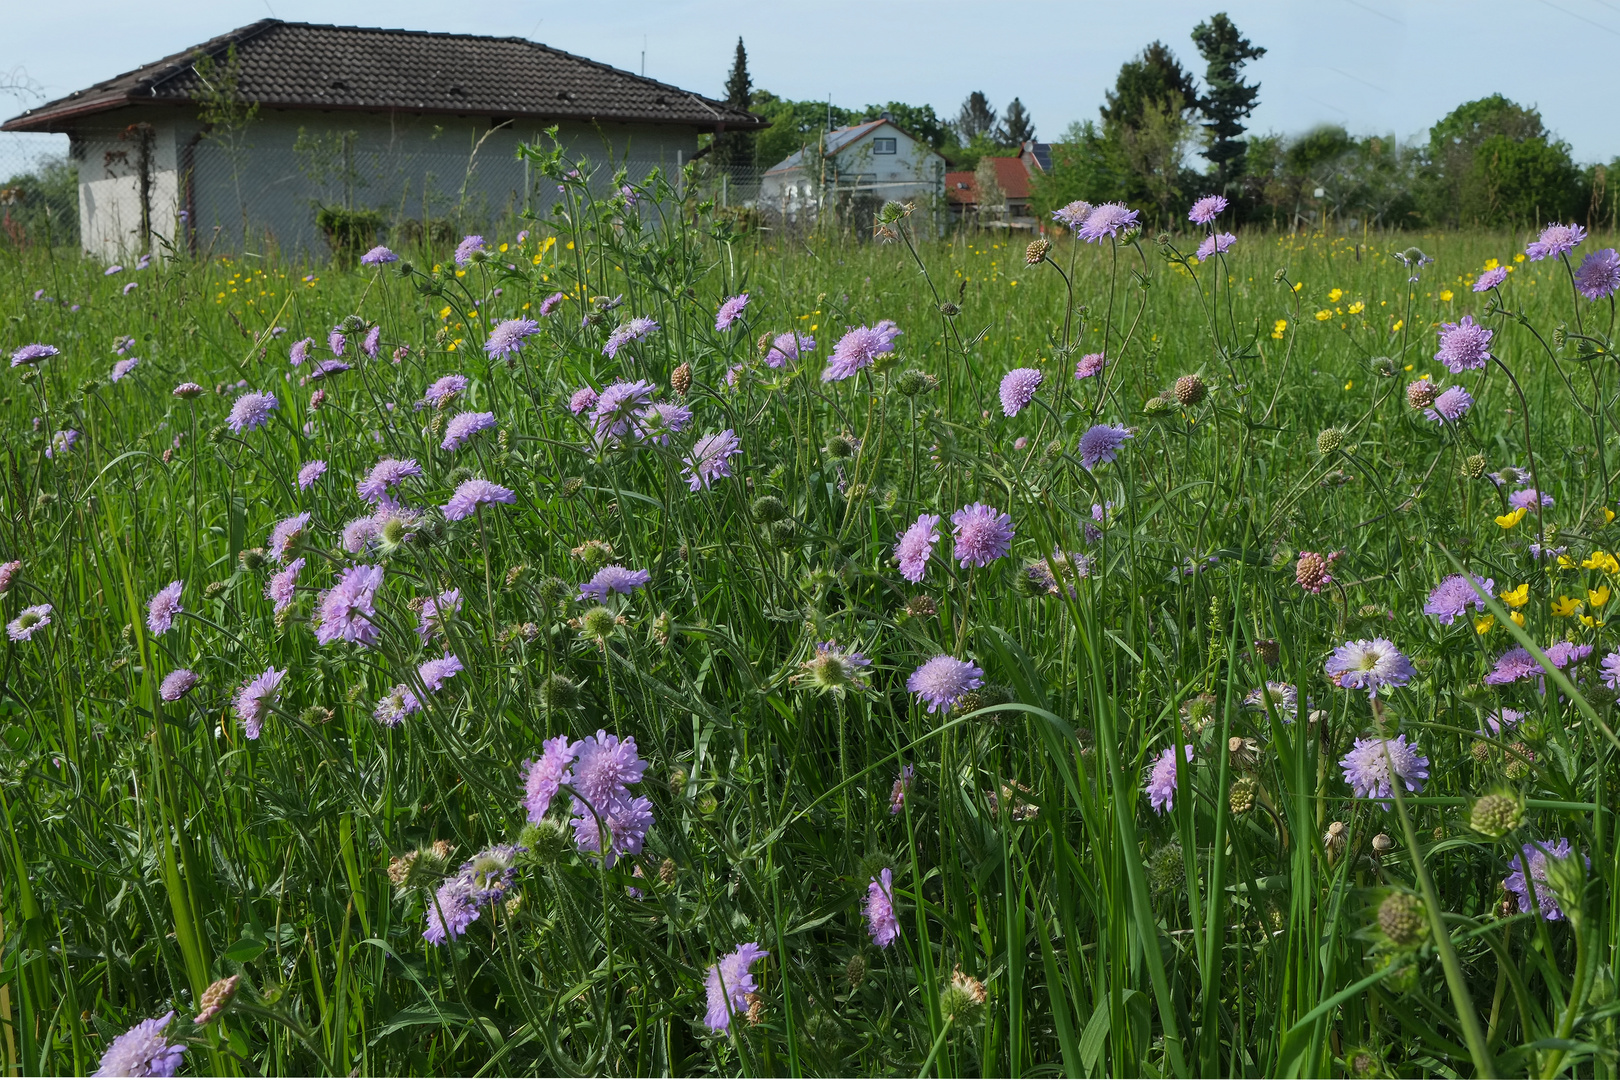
1565, 562
1445, 296
1357, 308
1334, 294
1601, 560
1598, 597
1587, 620
1484, 625
1566, 606
1511, 518
1517, 597
1397, 327
1608, 515
1349, 384
1279, 329
1518, 618
1491, 264
1324, 315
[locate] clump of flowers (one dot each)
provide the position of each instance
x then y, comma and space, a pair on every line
1161, 779
1373, 766
729, 983
1529, 880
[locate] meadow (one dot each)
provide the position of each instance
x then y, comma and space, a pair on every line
534, 659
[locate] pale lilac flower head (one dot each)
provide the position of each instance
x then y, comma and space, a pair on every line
1451, 598
636, 329
1500, 719
62, 443
163, 607
1534, 857
377, 256
880, 920
1598, 275
1161, 779
508, 337
282, 587
131, 287
710, 459
474, 493
914, 547
122, 368
1609, 667
1100, 444
787, 348
1526, 498
336, 342
347, 609
982, 534
468, 247
436, 613
251, 411
433, 673
32, 354
1018, 388
396, 706
617, 407
551, 303
327, 368
311, 472
1513, 665
111, 270
730, 311
29, 621
1090, 366
299, 351
463, 426
387, 473
858, 348
1073, 215
360, 533
1450, 407
1561, 654
1372, 665
1215, 244
583, 401
372, 341
940, 682
1554, 241
1374, 766
1207, 209
255, 699
177, 684
1109, 219
1491, 279
613, 579
902, 787
444, 390
284, 537
544, 777
142, 1050
604, 768
729, 983
658, 421
626, 819
187, 390
1464, 346
8, 574
454, 908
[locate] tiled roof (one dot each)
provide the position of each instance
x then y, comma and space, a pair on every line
1011, 175
837, 139
303, 65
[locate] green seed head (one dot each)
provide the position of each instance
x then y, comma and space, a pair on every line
598, 623
1329, 440
560, 692
548, 841
1496, 815
1241, 797
768, 508
1403, 919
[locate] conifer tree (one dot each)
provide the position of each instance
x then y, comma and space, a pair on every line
1229, 100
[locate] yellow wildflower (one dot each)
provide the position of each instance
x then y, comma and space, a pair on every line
1324, 315
1601, 560
1483, 626
1279, 328
1598, 597
1397, 327
1334, 294
1565, 607
1491, 264
1357, 308
1516, 598
1608, 515
1588, 620
1445, 296
1349, 384
1511, 518
1518, 618
1519, 258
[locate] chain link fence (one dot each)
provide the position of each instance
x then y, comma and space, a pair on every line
39, 193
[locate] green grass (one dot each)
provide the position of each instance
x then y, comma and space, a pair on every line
150, 848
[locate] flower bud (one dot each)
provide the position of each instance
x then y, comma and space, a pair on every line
680, 380
598, 623
962, 999
1191, 389
559, 692
1402, 918
1474, 466
1241, 797
913, 382
215, 999
1329, 440
1036, 252
1420, 393
1495, 815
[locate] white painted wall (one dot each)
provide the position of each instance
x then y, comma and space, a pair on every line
913, 173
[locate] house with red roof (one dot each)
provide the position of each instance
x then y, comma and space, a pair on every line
997, 194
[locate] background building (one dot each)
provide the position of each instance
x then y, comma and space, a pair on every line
851, 172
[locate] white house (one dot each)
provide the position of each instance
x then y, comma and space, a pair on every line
851, 172
418, 127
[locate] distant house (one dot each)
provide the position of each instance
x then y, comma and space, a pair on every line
852, 171
998, 193
417, 125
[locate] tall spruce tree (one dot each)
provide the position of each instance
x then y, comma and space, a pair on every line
735, 149
975, 118
1229, 100
1016, 126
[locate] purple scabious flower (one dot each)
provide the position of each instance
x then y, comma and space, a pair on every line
544, 777
311, 472
1215, 244
626, 819
468, 247
1018, 388
1073, 215
636, 329
508, 337
122, 368
981, 535
1451, 598
880, 920
1109, 219
1554, 241
1450, 407
902, 786
583, 401
941, 681
788, 348
710, 459
347, 609
1533, 857
336, 341
730, 311
858, 348
1207, 209
62, 443
131, 287
1090, 366
551, 303
1598, 275
463, 426
29, 621
1464, 346
387, 473
111, 270
1609, 666
1561, 654
142, 1050
604, 768
1491, 279
187, 390
1511, 666
1526, 499
32, 354
1373, 767
177, 684
1369, 664
613, 579
658, 421
1282, 697
444, 390
914, 547
284, 536
1502, 718
436, 613
8, 574
475, 493
163, 607
454, 908
327, 368
371, 342
377, 256
251, 411
299, 351
433, 673
281, 588
617, 407
1100, 444
359, 533
255, 698
729, 983
1161, 779
396, 706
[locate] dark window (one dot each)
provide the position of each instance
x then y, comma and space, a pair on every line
883, 146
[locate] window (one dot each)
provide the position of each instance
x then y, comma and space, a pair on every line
883, 146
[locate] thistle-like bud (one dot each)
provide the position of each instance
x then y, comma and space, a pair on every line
1191, 389
547, 841
663, 628
1384, 367
595, 554
680, 380
251, 558
1517, 766
949, 310
1420, 393
768, 508
1329, 440
215, 999
214, 588
841, 447
913, 382
1241, 797
1269, 651
1495, 815
315, 715
1473, 466
855, 970
921, 606
963, 998
458, 476
1157, 406
784, 531
1403, 919
598, 623
1036, 252
1166, 869
559, 692
1560, 336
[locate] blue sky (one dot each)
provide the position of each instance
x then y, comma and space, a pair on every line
1375, 66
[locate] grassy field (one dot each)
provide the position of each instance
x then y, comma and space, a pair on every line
1060, 897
